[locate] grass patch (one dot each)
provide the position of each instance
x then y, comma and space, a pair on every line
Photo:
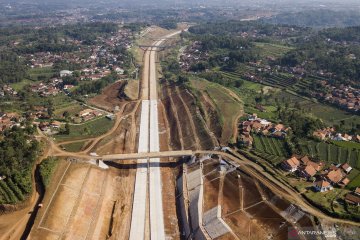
226, 105
271, 49
74, 147
42, 74
330, 200
47, 168
34, 75
355, 182
87, 130
20, 85
351, 145
73, 109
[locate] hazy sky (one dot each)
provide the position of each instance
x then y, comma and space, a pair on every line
280, 4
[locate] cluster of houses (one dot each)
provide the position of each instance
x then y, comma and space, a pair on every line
50, 127
9, 120
330, 133
260, 126
7, 90
47, 89
53, 127
324, 179
102, 51
353, 197
192, 55
88, 114
97, 62
345, 97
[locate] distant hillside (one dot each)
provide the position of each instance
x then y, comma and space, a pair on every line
317, 19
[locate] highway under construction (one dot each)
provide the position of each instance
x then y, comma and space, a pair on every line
160, 174
148, 174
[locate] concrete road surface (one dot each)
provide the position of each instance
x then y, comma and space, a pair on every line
139, 201
149, 141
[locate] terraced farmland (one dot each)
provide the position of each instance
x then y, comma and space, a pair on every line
271, 149
273, 50
332, 154
10, 192
278, 80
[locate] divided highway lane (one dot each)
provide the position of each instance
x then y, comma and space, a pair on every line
137, 230
157, 229
156, 206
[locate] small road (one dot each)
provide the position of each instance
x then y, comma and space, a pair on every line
248, 166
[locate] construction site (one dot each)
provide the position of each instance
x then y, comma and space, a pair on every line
160, 172
221, 201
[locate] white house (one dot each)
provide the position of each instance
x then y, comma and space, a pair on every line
65, 73
322, 186
119, 71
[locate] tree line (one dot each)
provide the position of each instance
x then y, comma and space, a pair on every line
12, 68
18, 152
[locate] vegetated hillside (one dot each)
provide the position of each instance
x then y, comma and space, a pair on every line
17, 155
12, 69
350, 34
255, 29
317, 18
333, 51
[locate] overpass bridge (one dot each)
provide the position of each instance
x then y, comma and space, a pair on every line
148, 155
134, 156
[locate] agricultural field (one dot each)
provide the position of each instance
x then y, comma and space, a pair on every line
248, 91
330, 115
34, 75
354, 183
272, 50
285, 90
270, 148
10, 192
87, 130
351, 145
331, 153
41, 74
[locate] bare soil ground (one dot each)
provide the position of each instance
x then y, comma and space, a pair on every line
87, 203
118, 213
168, 178
155, 33
233, 191
251, 210
176, 140
205, 139
188, 129
250, 197
211, 115
132, 89
184, 119
110, 97
169, 172
123, 139
212, 194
